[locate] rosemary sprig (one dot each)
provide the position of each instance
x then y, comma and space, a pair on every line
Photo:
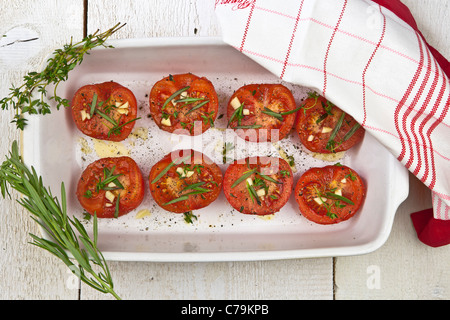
243, 177
198, 106
186, 196
238, 114
253, 195
51, 215
30, 96
189, 217
173, 96
350, 133
331, 145
170, 165
279, 116
116, 128
334, 196
108, 177
252, 126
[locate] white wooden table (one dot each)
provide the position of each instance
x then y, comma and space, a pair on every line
403, 268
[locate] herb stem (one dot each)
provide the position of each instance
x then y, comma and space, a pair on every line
51, 215
64, 60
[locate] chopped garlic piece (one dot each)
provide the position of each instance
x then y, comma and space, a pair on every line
338, 192
111, 185
122, 111
181, 172
83, 115
250, 181
344, 180
245, 112
318, 200
166, 122
110, 196
183, 95
310, 138
261, 192
235, 103
189, 174
126, 105
326, 129
108, 205
118, 104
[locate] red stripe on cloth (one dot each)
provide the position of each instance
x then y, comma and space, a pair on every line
426, 120
430, 130
352, 35
418, 114
413, 146
328, 48
292, 40
244, 37
402, 102
367, 67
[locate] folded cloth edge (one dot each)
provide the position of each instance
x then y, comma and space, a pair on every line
430, 231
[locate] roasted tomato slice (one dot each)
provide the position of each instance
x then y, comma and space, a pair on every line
184, 104
329, 195
262, 112
185, 180
258, 185
105, 111
111, 187
325, 128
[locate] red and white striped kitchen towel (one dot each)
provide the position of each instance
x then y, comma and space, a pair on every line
370, 59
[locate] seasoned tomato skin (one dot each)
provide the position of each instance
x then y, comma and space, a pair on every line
183, 117
317, 119
275, 195
320, 194
108, 94
95, 201
197, 178
258, 126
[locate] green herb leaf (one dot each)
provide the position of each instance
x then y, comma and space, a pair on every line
164, 171
173, 96
331, 143
57, 70
198, 106
243, 177
189, 217
334, 196
65, 235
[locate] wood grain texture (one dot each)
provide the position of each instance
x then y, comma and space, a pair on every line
403, 268
27, 272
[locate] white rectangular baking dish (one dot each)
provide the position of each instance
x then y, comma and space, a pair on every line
59, 152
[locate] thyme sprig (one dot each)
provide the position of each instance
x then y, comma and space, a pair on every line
30, 97
66, 236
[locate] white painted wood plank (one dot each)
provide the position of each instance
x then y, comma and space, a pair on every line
28, 272
154, 18
404, 268
302, 279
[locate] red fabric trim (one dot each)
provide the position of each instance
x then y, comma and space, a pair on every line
431, 231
